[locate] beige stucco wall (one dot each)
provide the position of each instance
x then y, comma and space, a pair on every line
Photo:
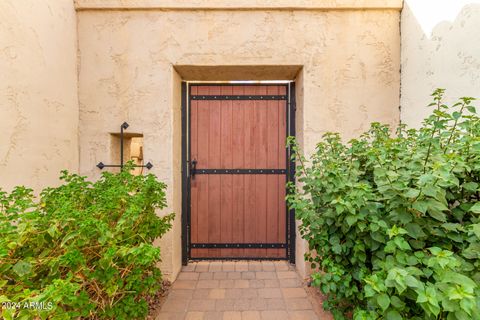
239, 4
349, 61
440, 49
38, 92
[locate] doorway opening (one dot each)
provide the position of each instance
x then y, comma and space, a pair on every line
235, 167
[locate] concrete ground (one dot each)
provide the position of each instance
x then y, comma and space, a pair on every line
240, 290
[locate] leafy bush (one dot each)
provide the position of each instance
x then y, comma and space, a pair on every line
393, 222
82, 249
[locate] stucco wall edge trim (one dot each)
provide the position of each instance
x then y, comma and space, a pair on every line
81, 5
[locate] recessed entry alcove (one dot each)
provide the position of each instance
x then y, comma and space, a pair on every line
242, 92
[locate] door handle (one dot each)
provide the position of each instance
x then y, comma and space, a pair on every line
193, 168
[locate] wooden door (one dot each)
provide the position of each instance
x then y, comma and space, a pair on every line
238, 171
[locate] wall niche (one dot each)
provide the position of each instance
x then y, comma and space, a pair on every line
132, 150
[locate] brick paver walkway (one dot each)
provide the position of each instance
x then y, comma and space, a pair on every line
238, 290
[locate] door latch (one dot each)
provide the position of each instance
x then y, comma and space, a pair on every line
193, 168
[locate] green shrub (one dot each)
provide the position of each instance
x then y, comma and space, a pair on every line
82, 249
393, 222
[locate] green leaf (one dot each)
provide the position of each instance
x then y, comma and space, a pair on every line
401, 243
430, 190
467, 305
414, 230
397, 303
420, 205
12, 245
452, 226
369, 292
377, 236
475, 208
383, 301
412, 193
462, 315
22, 268
8, 313
393, 315
470, 186
471, 109
472, 251
412, 282
68, 237
476, 229
351, 220
52, 231
394, 231
459, 279
435, 209
422, 298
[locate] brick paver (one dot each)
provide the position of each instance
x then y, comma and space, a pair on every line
238, 290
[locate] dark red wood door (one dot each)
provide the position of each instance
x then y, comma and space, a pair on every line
237, 190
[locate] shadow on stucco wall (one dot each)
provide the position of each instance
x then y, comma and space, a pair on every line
440, 49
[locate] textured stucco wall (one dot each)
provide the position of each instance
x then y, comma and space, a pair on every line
440, 49
38, 92
349, 77
238, 4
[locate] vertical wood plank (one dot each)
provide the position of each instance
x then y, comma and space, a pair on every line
261, 162
282, 160
250, 229
272, 162
226, 162
238, 151
282, 214
193, 183
282, 133
201, 181
214, 181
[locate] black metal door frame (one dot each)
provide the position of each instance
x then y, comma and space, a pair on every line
290, 226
